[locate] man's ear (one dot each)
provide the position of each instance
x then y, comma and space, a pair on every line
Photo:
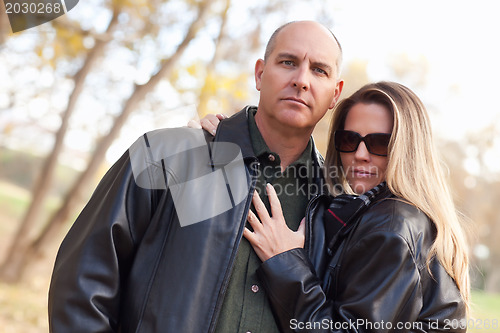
259, 70
338, 91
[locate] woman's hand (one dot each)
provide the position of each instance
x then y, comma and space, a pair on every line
272, 236
209, 123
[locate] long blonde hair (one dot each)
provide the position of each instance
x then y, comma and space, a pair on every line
414, 172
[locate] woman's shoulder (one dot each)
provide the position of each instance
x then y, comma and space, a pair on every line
397, 217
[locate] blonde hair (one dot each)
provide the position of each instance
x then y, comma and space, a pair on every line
414, 172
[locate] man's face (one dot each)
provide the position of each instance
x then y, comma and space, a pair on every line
298, 83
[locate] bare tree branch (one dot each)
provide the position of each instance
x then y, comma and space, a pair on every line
52, 228
10, 270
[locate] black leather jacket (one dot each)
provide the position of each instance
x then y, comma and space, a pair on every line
127, 265
375, 280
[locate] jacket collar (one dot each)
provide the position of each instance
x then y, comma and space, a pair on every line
235, 130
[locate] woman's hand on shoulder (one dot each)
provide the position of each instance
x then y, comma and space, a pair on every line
209, 123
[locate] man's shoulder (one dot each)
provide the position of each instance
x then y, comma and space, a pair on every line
174, 134
173, 140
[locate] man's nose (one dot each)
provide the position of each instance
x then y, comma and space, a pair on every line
301, 78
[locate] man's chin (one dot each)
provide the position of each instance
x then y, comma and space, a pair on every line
297, 119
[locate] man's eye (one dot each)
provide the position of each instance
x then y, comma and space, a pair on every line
288, 62
321, 71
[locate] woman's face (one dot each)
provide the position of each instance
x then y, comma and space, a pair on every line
365, 170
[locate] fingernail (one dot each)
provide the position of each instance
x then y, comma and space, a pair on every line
213, 132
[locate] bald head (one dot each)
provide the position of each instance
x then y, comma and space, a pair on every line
271, 44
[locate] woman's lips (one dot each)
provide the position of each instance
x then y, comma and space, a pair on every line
360, 173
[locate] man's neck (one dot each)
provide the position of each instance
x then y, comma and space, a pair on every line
288, 143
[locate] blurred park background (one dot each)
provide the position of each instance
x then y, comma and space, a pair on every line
76, 92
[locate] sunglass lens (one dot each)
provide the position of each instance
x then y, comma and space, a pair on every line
378, 143
346, 141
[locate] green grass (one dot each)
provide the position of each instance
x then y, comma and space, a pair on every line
12, 205
485, 314
14, 200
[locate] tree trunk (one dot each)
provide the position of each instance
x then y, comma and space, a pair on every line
10, 268
4, 24
53, 227
204, 93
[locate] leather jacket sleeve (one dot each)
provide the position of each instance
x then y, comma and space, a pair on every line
377, 286
95, 256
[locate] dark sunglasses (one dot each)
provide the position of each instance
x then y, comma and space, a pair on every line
348, 142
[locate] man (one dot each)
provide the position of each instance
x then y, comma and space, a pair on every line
159, 246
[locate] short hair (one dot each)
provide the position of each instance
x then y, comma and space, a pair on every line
271, 44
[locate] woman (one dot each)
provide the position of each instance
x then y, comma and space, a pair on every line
399, 261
